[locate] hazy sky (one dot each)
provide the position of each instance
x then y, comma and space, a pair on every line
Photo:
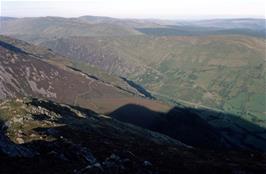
135, 8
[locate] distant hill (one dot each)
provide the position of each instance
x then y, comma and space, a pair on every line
46, 28
39, 29
249, 27
248, 23
4, 18
202, 31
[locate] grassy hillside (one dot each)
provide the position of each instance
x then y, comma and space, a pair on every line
223, 72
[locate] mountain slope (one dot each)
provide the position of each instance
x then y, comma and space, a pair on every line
32, 71
222, 72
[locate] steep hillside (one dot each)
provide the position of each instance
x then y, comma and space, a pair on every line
223, 72
32, 71
86, 69
40, 136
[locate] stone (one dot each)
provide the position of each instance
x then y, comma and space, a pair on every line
20, 140
97, 165
18, 120
33, 135
114, 157
147, 163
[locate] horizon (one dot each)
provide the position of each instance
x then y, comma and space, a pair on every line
143, 18
146, 9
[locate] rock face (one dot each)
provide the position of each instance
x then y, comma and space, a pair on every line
58, 138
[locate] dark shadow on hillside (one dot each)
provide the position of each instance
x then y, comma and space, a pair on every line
138, 87
197, 127
11, 47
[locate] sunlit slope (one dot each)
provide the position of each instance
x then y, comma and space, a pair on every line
27, 70
223, 72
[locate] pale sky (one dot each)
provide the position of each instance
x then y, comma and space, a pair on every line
171, 9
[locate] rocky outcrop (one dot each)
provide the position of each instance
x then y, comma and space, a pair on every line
59, 138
